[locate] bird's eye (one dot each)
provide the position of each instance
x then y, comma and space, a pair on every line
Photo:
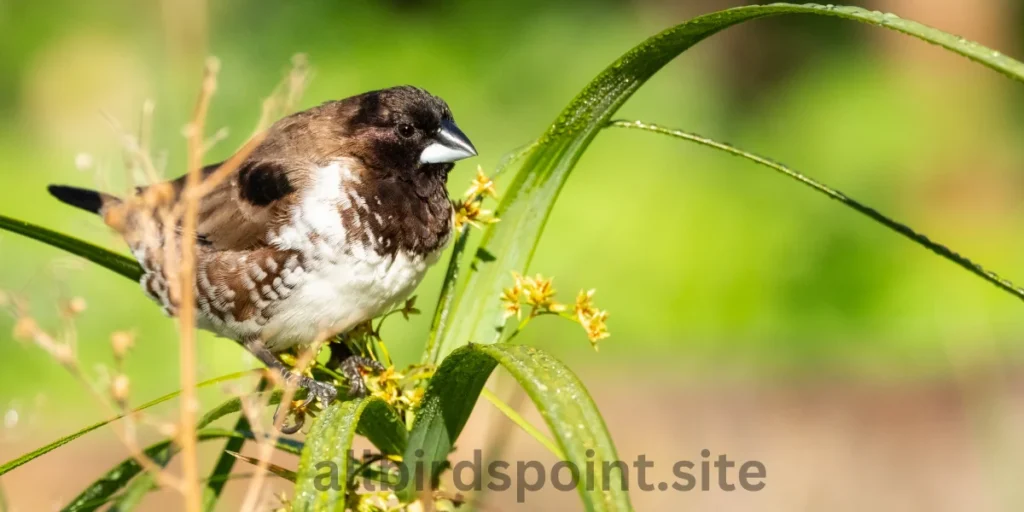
406, 130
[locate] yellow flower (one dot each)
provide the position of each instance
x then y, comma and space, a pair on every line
595, 327
592, 319
469, 212
482, 186
540, 292
510, 298
584, 304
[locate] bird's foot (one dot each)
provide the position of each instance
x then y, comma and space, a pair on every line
351, 368
324, 392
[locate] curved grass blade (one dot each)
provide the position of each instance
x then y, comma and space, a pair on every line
104, 488
561, 398
146, 482
71, 437
225, 463
330, 441
123, 265
272, 468
870, 212
521, 422
449, 291
205, 481
123, 474
528, 201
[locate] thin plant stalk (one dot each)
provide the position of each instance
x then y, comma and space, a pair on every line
522, 423
63, 355
270, 439
898, 227
187, 313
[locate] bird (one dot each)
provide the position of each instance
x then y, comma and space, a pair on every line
331, 220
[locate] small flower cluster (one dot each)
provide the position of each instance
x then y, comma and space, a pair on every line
592, 319
401, 389
468, 210
381, 501
538, 293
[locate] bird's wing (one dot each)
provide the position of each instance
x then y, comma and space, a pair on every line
242, 209
245, 208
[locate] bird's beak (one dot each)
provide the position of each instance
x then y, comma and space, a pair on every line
449, 144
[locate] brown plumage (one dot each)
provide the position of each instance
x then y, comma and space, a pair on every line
329, 221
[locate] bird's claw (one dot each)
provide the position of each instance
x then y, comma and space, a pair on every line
316, 390
325, 393
298, 411
350, 369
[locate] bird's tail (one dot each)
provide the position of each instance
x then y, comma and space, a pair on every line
88, 200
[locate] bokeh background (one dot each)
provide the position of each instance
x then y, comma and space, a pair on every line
749, 316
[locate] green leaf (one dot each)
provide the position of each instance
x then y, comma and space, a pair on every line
449, 289
521, 422
226, 462
563, 402
101, 490
121, 264
67, 439
330, 441
145, 483
280, 471
528, 201
832, 193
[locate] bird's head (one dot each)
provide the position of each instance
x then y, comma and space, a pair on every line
406, 130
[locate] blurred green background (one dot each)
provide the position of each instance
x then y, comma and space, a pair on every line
713, 269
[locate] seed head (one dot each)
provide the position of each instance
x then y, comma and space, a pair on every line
64, 354
119, 389
25, 328
76, 306
121, 342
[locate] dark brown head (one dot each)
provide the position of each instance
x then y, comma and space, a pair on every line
405, 130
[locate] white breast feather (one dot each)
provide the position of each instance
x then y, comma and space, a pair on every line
343, 283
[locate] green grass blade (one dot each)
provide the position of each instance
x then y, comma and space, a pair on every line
521, 422
528, 201
121, 264
330, 440
226, 462
561, 398
832, 193
449, 288
122, 474
102, 490
8, 466
139, 487
272, 468
447, 297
